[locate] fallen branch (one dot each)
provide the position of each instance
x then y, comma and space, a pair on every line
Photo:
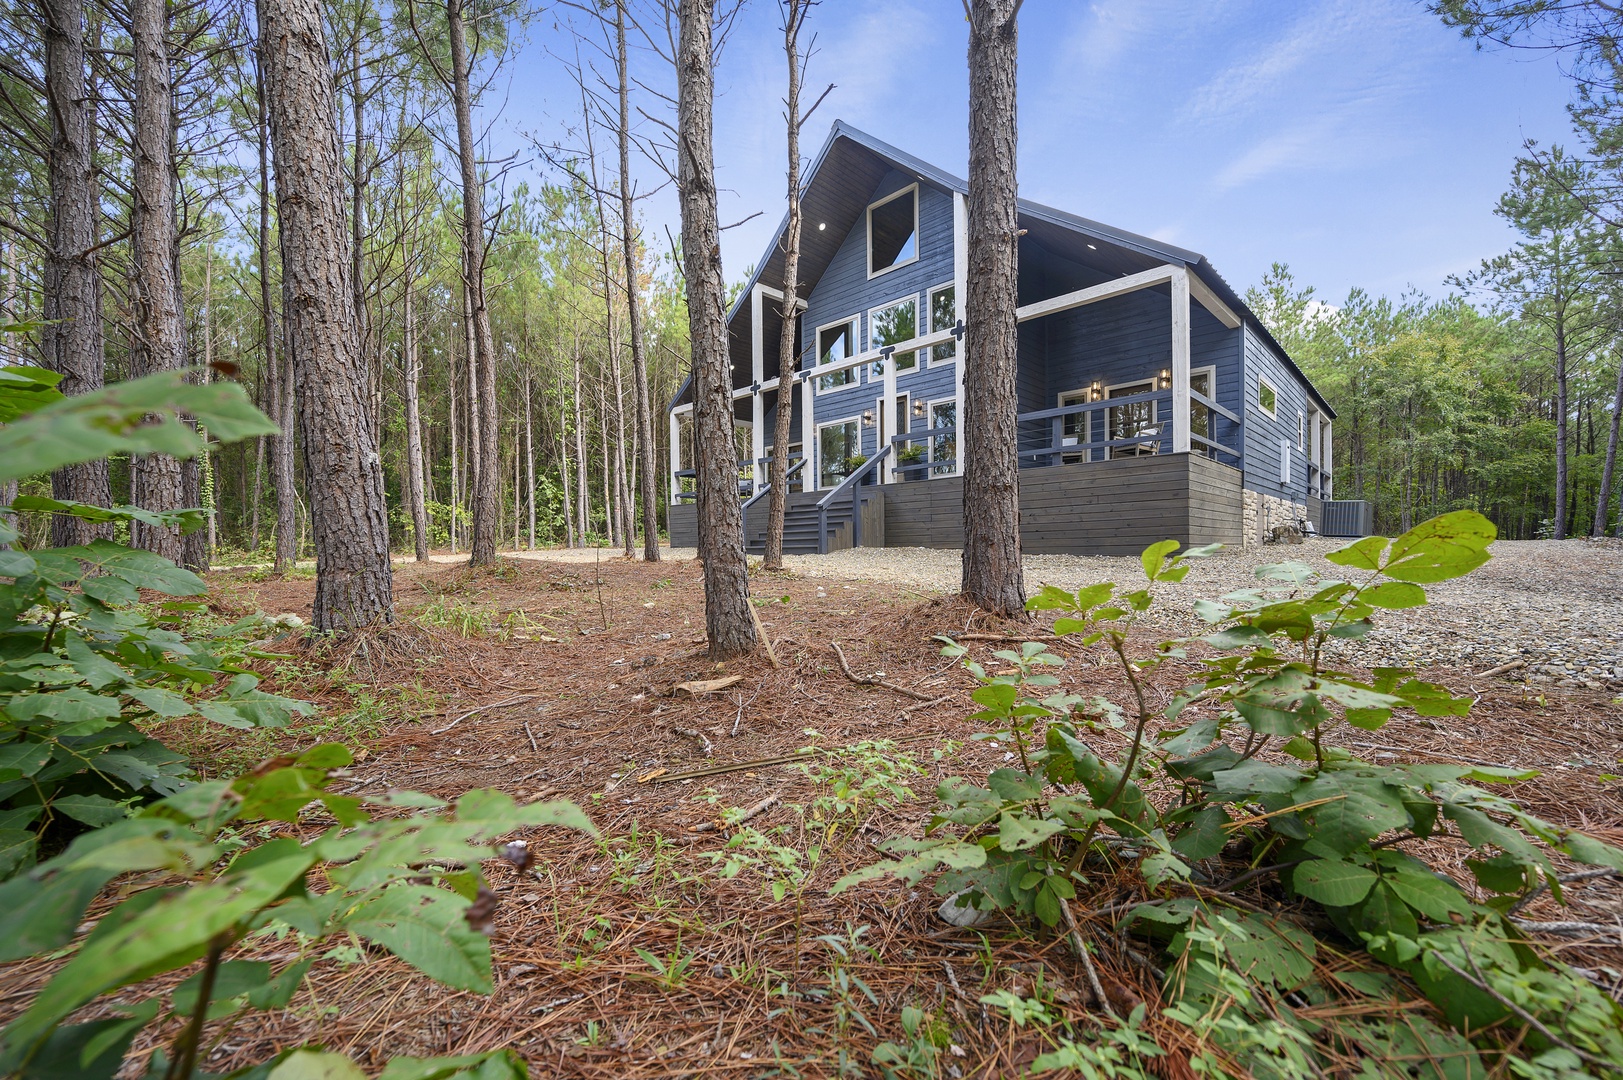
754, 811
1508, 666
531, 734
1599, 929
694, 734
482, 708
1081, 949
849, 674
760, 629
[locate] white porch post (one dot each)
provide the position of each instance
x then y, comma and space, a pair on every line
676, 456
808, 428
1315, 456
757, 376
1180, 361
1326, 461
960, 275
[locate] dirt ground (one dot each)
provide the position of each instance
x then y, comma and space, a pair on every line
554, 679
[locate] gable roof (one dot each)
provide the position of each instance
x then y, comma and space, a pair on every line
860, 161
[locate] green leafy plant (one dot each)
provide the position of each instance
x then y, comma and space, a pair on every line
1322, 826
856, 780
409, 883
86, 666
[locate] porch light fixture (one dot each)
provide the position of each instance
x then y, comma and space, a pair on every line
918, 409
1166, 378
867, 418
1096, 392
821, 225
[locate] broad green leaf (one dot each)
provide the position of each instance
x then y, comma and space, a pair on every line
1017, 831
316, 1065
1394, 594
1359, 809
16, 564
1205, 835
25, 389
1334, 884
17, 848
161, 702
1254, 776
93, 810
1442, 548
1012, 785
425, 928
233, 979
1156, 554
71, 705
20, 759
1428, 894
170, 933
494, 1065
1362, 554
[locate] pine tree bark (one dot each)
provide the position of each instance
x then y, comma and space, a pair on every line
788, 336
72, 339
487, 482
1561, 464
280, 386
639, 360
157, 481
348, 521
992, 577
728, 622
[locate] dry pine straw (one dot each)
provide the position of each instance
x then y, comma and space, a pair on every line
572, 993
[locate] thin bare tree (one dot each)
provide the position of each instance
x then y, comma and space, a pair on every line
992, 577
728, 621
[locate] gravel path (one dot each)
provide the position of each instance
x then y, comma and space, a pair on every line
1558, 606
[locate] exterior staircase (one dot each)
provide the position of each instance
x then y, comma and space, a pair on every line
799, 524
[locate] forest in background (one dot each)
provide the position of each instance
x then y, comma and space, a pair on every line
1444, 404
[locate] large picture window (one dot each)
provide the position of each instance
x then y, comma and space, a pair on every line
1203, 382
836, 343
891, 325
943, 316
838, 444
944, 448
893, 231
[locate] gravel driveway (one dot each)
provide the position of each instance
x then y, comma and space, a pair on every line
1558, 606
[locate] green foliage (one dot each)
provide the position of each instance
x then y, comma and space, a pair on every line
410, 884
1328, 829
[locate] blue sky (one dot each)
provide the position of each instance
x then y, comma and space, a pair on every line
1360, 141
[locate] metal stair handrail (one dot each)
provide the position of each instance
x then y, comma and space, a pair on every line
853, 481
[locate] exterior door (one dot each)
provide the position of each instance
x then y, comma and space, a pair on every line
1131, 421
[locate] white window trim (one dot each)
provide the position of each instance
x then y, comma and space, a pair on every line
929, 416
929, 308
1271, 413
918, 241
1301, 430
1082, 395
1210, 371
849, 420
1155, 409
855, 322
874, 348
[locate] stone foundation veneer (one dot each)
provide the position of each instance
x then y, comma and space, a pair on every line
1263, 512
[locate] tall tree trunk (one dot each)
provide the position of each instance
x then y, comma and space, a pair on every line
414, 428
1608, 471
487, 481
583, 499
72, 337
1560, 432
156, 480
456, 460
788, 336
348, 520
529, 454
992, 572
639, 361
280, 386
471, 411
728, 621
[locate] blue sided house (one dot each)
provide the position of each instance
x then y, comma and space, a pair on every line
1153, 403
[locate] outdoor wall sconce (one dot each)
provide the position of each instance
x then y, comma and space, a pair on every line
1166, 378
918, 410
1096, 392
867, 418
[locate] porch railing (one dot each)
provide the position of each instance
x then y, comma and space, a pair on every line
795, 465
1043, 437
853, 483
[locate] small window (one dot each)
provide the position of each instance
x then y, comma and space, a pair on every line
1266, 397
893, 231
891, 325
836, 343
1301, 431
944, 447
1200, 417
943, 316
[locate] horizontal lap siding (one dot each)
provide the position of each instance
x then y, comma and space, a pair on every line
1114, 507
845, 291
683, 522
1263, 432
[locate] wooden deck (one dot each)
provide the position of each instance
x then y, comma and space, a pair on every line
1115, 507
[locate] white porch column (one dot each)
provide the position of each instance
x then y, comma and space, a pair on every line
676, 456
1180, 361
757, 403
808, 427
960, 275
1328, 459
1314, 447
